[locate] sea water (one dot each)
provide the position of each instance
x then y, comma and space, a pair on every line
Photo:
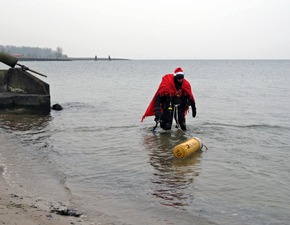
97, 155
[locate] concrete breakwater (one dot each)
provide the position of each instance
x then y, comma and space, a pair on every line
22, 92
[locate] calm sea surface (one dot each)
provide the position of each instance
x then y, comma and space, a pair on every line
97, 155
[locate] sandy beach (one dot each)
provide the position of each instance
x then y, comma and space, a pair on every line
18, 208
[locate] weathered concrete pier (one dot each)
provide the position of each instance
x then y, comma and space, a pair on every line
21, 92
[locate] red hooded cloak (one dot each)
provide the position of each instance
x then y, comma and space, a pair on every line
167, 87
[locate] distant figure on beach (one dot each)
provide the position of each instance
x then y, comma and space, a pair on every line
172, 100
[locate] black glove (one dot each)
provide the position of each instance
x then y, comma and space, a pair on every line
193, 109
188, 102
157, 114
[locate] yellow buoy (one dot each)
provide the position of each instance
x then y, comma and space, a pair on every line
187, 148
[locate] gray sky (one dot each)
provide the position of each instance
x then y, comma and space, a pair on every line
151, 29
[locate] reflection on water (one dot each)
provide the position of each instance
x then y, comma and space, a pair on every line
172, 179
29, 129
15, 122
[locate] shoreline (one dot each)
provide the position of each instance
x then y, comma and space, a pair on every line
18, 208
26, 201
68, 59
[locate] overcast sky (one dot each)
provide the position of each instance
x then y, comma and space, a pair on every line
151, 29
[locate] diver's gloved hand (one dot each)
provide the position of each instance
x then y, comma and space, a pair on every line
157, 114
193, 108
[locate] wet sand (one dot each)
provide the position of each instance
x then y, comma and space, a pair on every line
18, 208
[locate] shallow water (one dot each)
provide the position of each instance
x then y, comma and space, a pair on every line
97, 154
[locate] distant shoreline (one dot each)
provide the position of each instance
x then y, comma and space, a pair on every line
68, 59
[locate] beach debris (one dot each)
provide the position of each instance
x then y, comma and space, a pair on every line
66, 212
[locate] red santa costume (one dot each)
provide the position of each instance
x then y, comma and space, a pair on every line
167, 87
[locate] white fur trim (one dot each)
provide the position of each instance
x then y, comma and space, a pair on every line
181, 73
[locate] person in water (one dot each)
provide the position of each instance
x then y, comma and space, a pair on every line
172, 99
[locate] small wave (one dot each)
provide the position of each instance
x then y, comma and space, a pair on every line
93, 128
262, 126
84, 105
121, 127
77, 105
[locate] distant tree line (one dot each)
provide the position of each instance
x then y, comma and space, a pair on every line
33, 52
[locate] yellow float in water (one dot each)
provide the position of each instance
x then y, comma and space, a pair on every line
187, 148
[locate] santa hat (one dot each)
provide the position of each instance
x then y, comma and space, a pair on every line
178, 71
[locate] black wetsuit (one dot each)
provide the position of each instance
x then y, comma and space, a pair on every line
171, 104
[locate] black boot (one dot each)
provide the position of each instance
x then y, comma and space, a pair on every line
183, 126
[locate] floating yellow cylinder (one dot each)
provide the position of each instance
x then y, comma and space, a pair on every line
187, 148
